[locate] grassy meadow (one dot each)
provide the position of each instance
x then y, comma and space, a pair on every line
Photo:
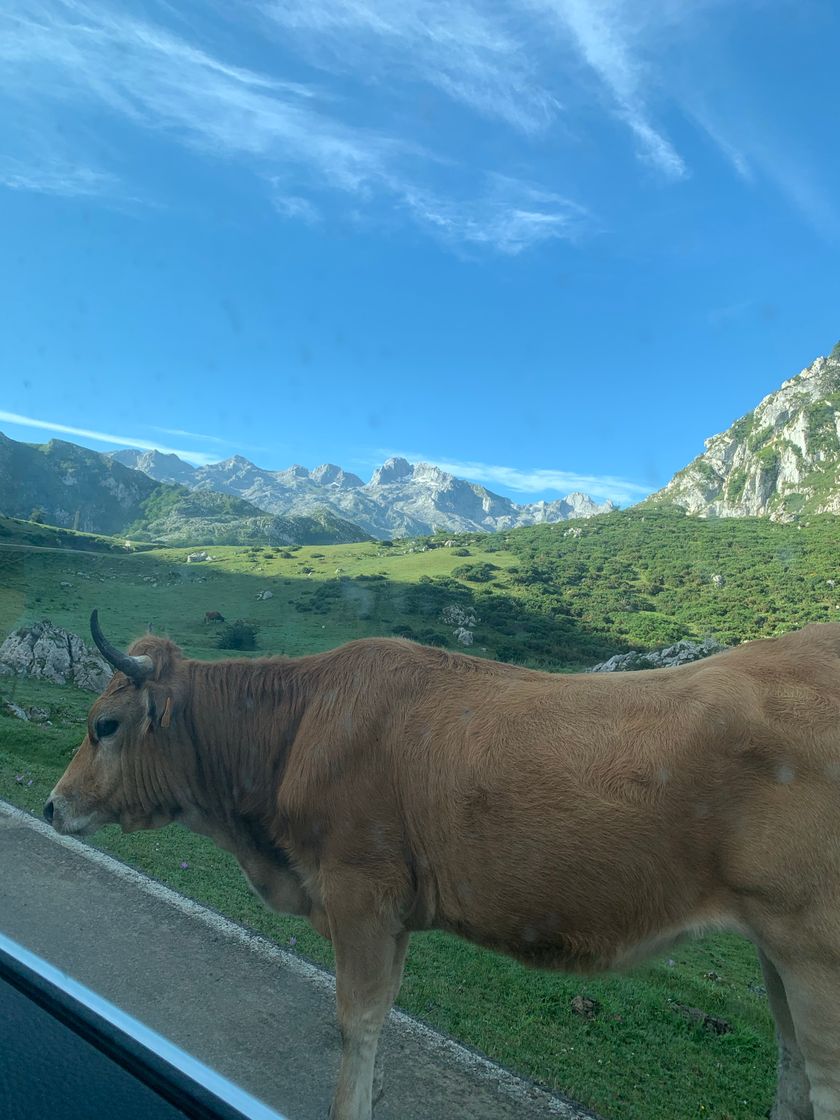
543, 597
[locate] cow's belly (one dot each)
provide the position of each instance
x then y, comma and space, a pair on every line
549, 942
584, 902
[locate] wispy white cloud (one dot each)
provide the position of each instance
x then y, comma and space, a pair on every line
190, 435
511, 216
493, 59
748, 143
56, 177
733, 154
536, 480
72, 51
200, 458
160, 81
602, 31
293, 206
476, 54
548, 69
794, 176
210, 439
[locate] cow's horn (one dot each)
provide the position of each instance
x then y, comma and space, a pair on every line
136, 669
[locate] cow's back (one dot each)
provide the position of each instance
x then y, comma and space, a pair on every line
590, 809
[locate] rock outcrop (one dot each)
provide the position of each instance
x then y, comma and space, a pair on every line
679, 654
51, 653
781, 460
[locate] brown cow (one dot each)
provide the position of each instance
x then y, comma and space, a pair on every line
213, 616
580, 822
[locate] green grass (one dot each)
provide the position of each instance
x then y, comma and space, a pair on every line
555, 600
322, 596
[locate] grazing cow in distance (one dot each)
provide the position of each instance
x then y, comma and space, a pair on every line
213, 616
579, 822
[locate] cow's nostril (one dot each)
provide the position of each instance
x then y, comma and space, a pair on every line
49, 810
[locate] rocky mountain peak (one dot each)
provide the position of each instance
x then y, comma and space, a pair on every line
296, 471
162, 466
328, 474
392, 470
781, 460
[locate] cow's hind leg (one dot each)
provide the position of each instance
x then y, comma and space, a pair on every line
793, 1100
812, 986
367, 971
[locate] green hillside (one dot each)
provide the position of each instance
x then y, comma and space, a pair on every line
560, 597
62, 484
175, 515
549, 596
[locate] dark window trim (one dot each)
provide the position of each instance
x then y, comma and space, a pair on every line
198, 1091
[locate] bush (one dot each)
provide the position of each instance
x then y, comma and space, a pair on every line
461, 552
476, 573
238, 635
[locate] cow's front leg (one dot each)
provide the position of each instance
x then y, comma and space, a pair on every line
400, 949
793, 1092
367, 973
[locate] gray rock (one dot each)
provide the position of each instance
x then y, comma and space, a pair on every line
10, 708
679, 654
48, 652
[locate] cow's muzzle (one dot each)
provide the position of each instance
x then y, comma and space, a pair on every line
65, 818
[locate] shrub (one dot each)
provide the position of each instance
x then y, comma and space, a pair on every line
476, 573
238, 635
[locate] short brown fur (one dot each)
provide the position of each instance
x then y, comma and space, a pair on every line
577, 822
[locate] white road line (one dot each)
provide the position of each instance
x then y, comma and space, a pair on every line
504, 1082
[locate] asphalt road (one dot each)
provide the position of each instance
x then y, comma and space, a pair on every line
254, 1012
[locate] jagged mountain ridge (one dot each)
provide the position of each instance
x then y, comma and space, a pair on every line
782, 460
69, 486
401, 498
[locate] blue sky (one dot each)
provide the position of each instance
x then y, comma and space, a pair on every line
550, 244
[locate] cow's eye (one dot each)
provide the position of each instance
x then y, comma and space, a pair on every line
106, 727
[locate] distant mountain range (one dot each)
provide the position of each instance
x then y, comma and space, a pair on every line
70, 486
781, 460
401, 499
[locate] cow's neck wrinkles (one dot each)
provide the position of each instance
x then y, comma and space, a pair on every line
241, 741
241, 724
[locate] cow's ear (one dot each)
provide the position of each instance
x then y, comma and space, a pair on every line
158, 711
